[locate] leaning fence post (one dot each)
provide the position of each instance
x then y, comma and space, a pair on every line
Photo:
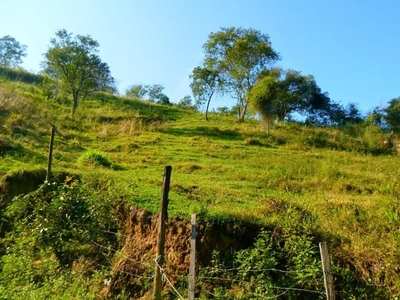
326, 268
50, 153
157, 287
192, 267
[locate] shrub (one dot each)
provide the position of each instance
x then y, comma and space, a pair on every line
94, 158
50, 232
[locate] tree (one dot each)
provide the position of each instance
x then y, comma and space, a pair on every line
279, 93
205, 81
137, 90
318, 107
75, 63
238, 56
261, 97
378, 118
353, 114
393, 115
293, 93
185, 103
155, 92
164, 99
11, 52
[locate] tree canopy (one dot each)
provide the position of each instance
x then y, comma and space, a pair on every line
186, 103
205, 82
238, 55
392, 115
11, 52
153, 92
73, 61
136, 90
279, 93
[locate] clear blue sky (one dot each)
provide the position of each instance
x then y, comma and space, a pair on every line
350, 46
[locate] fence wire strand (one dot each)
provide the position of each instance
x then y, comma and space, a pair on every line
272, 287
165, 278
122, 254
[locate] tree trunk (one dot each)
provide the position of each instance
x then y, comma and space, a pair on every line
242, 114
208, 104
75, 105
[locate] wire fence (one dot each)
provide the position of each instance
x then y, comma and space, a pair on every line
225, 277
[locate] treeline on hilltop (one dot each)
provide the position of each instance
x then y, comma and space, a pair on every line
237, 62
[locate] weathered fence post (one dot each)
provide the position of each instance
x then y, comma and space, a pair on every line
157, 287
192, 267
50, 155
326, 268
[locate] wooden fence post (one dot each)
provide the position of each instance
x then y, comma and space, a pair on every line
192, 267
157, 286
326, 268
50, 154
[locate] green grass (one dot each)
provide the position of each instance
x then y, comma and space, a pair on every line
345, 181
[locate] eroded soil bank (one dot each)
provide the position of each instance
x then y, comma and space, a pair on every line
20, 183
138, 229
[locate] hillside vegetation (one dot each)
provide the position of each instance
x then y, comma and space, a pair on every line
298, 185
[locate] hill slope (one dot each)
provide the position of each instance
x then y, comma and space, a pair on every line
302, 185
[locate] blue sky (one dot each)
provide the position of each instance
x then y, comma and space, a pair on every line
350, 46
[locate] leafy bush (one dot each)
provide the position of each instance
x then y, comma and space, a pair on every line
96, 158
52, 231
275, 266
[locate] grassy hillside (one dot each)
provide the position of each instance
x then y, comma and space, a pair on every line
337, 185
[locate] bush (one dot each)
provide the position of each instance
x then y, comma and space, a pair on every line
96, 158
52, 231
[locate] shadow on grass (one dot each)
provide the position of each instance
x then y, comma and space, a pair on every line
21, 153
211, 132
149, 109
20, 75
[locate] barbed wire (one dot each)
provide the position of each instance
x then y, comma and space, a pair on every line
125, 236
264, 297
250, 270
122, 254
128, 273
272, 287
165, 278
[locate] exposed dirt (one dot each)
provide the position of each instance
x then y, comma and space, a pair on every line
139, 231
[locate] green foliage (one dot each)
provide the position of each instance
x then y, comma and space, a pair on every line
154, 93
11, 52
339, 184
138, 91
392, 116
224, 110
276, 266
238, 55
205, 82
76, 67
279, 93
96, 158
164, 100
186, 103
56, 228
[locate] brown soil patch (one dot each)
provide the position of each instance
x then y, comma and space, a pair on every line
138, 228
